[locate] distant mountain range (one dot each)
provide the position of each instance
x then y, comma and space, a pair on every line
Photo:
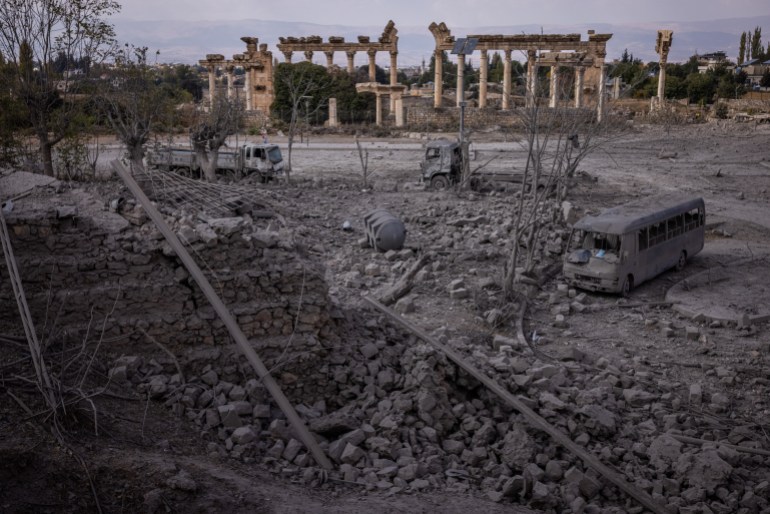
189, 41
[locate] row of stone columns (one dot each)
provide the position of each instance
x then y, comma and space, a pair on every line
230, 78
531, 80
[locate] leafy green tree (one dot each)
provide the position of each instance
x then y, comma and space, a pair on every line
700, 87
765, 80
756, 43
742, 49
32, 34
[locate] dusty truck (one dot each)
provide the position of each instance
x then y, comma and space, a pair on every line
442, 167
250, 158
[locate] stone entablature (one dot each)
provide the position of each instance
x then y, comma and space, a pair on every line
555, 50
387, 42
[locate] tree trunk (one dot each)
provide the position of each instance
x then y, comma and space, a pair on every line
136, 155
46, 154
211, 166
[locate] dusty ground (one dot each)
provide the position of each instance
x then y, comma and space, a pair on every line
143, 448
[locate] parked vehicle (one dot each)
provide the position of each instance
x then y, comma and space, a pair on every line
263, 159
442, 164
629, 244
442, 167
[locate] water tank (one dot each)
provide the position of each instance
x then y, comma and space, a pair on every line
384, 231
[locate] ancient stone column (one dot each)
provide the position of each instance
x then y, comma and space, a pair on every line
602, 93
309, 55
484, 71
329, 59
287, 56
212, 84
460, 78
616, 88
248, 89
579, 74
399, 103
333, 113
662, 46
378, 110
351, 63
438, 79
393, 77
372, 65
554, 86
229, 74
531, 77
507, 80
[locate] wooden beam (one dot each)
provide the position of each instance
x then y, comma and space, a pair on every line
227, 318
535, 419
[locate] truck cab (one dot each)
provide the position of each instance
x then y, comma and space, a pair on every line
265, 159
442, 163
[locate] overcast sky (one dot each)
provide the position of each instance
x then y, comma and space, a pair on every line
453, 12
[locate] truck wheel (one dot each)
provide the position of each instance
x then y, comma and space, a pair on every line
439, 182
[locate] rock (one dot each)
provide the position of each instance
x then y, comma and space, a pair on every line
210, 378
554, 470
638, 397
664, 452
293, 447
550, 401
514, 486
704, 469
369, 350
229, 416
696, 395
452, 446
243, 435
352, 454
518, 448
600, 420
334, 424
182, 481
589, 486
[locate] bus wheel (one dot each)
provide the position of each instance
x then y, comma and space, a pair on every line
439, 182
682, 261
628, 284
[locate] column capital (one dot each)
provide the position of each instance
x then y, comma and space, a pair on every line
309, 55
351, 54
371, 53
287, 55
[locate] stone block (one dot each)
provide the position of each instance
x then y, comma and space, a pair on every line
243, 435
352, 454
229, 416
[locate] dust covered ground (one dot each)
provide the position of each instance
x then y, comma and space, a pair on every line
657, 370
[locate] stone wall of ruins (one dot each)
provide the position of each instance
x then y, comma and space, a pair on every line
75, 273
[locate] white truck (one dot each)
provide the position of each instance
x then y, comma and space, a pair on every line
264, 159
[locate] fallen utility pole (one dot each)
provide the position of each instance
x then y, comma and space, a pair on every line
224, 314
539, 422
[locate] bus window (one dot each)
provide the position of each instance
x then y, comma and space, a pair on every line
248, 153
643, 239
674, 226
691, 219
600, 241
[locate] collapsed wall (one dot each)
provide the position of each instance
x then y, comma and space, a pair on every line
100, 277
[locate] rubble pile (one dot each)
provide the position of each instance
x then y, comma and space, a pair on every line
405, 419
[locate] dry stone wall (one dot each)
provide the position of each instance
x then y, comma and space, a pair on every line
77, 271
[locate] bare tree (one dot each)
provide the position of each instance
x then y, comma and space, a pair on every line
555, 141
210, 134
33, 35
132, 103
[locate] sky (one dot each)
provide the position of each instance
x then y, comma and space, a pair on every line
453, 12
